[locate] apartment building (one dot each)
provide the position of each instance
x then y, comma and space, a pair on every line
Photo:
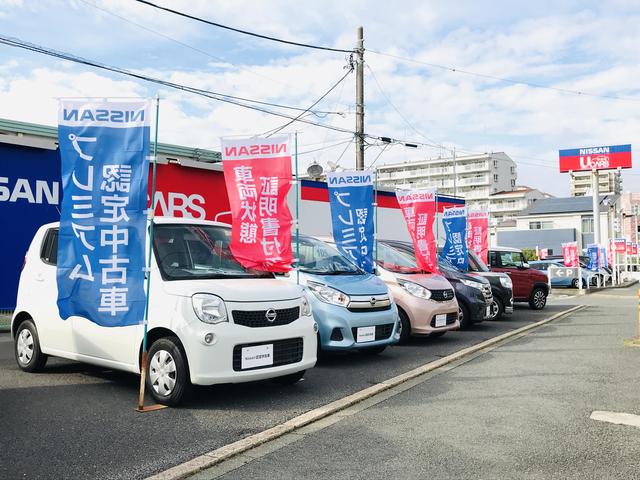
509, 204
472, 177
580, 183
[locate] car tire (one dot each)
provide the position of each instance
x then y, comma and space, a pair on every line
27, 350
538, 299
167, 372
405, 326
463, 315
373, 350
497, 309
574, 283
437, 334
289, 379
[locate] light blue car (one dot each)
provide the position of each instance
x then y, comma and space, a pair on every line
353, 308
587, 276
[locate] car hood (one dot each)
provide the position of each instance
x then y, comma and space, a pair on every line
432, 281
493, 277
350, 284
236, 289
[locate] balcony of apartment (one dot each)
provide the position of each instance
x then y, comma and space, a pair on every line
477, 166
474, 181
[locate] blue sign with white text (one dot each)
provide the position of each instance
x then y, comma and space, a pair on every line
455, 251
104, 149
594, 261
351, 201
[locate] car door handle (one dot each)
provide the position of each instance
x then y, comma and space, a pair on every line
39, 278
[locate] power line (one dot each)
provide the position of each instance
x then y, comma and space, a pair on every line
506, 80
245, 32
205, 93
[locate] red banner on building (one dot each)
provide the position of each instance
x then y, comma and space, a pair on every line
419, 210
478, 234
570, 254
620, 245
257, 172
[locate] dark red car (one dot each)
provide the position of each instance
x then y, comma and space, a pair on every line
529, 285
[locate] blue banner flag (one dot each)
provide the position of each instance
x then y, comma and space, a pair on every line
104, 150
593, 253
455, 251
351, 200
603, 257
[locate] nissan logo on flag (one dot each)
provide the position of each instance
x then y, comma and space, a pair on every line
271, 315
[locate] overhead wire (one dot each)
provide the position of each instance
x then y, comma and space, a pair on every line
244, 32
504, 79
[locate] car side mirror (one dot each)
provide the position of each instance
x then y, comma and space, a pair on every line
524, 266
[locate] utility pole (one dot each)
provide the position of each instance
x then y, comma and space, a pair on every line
595, 189
360, 100
455, 174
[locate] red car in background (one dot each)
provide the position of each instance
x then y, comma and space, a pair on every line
529, 285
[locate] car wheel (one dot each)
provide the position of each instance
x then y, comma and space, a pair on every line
463, 315
538, 299
437, 334
289, 379
373, 350
167, 372
404, 328
27, 348
496, 309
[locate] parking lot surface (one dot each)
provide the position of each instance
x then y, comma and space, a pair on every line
78, 421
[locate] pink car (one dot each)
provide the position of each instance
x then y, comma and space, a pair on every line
426, 302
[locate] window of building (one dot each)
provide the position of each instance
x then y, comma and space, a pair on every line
540, 225
513, 182
495, 177
587, 225
495, 164
513, 169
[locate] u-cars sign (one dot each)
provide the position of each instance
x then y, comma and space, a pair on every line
595, 158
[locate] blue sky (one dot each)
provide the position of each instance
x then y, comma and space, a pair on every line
578, 45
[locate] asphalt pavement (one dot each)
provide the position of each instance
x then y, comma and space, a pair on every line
78, 421
518, 411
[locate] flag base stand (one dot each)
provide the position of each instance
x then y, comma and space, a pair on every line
151, 408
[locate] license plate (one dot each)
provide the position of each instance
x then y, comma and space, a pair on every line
366, 334
258, 356
487, 313
441, 320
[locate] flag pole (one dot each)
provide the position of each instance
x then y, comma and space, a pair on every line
297, 212
150, 215
375, 225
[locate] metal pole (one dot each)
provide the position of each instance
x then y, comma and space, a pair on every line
297, 212
436, 222
375, 225
595, 189
143, 359
360, 100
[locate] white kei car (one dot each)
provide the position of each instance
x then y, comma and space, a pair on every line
211, 321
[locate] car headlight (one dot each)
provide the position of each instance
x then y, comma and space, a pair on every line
415, 289
472, 284
209, 308
306, 307
329, 295
506, 282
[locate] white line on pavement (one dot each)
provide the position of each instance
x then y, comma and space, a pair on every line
619, 418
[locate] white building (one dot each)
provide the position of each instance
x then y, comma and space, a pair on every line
472, 177
580, 183
509, 204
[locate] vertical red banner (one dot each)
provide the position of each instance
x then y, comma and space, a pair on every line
570, 254
257, 172
478, 234
419, 210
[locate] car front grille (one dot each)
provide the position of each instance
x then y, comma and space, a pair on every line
486, 292
374, 303
382, 331
442, 295
451, 318
285, 352
258, 318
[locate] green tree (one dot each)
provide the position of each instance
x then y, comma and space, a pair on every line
529, 254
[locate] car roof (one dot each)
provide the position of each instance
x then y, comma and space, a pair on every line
505, 249
168, 220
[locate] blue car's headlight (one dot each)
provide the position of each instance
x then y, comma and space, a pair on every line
329, 295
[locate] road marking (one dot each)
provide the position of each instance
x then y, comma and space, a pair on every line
619, 418
226, 452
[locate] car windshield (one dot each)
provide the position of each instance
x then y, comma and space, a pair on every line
396, 260
186, 252
323, 259
475, 264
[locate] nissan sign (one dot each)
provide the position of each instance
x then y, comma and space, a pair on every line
595, 158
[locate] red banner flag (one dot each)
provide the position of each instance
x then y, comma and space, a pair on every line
257, 172
478, 234
634, 249
629, 248
620, 245
610, 253
570, 254
419, 210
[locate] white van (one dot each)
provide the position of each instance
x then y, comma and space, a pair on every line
210, 320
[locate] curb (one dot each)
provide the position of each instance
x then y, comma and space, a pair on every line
221, 454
